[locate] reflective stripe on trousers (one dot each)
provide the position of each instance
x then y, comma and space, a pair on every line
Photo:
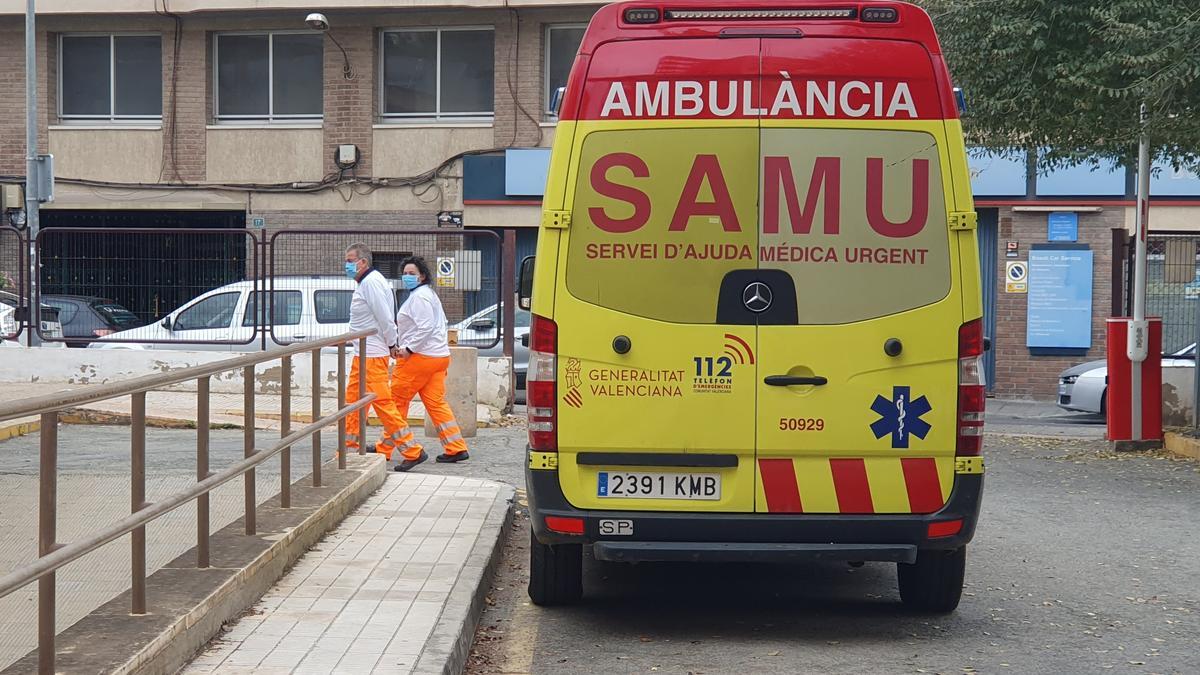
426, 376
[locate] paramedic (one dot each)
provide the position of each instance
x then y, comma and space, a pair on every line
422, 358
371, 307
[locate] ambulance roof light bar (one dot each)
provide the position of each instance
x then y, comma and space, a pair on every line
752, 14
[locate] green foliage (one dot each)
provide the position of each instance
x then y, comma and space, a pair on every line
1070, 75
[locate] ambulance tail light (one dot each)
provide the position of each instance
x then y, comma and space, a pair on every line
971, 396
541, 385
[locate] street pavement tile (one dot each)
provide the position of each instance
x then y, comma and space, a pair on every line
369, 596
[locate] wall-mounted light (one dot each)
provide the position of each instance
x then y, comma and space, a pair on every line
318, 22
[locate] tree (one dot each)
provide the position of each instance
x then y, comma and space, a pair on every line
1070, 75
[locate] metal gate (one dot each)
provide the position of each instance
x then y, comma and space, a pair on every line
13, 269
1172, 286
309, 263
990, 275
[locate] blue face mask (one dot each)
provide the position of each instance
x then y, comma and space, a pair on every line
352, 269
410, 281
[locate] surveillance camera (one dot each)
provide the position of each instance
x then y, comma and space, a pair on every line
317, 21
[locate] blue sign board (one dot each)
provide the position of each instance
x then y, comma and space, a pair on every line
1060, 298
525, 171
1062, 226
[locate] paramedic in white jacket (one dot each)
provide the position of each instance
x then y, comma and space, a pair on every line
372, 307
422, 359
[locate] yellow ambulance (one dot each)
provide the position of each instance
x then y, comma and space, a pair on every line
757, 312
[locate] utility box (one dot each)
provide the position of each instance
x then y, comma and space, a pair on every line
1119, 396
11, 197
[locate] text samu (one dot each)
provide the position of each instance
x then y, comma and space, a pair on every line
624, 177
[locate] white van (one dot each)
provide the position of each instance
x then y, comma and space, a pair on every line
224, 319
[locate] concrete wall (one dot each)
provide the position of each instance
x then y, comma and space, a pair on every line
1178, 396
100, 366
275, 155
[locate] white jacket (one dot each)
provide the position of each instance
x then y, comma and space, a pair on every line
371, 308
422, 323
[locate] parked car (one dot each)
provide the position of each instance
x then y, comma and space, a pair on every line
479, 330
1084, 388
224, 319
86, 318
9, 304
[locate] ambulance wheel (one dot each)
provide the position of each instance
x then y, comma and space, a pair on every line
555, 573
934, 583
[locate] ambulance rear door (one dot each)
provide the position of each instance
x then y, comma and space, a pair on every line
856, 293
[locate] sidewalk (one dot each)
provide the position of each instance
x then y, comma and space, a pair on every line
396, 588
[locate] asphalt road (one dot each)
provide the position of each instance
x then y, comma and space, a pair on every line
1084, 561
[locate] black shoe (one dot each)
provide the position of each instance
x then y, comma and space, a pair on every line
451, 459
410, 463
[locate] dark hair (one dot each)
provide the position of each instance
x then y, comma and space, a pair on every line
422, 268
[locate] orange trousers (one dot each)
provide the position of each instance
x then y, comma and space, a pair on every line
385, 408
425, 375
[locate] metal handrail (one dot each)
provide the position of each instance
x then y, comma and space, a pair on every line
69, 553
54, 555
60, 401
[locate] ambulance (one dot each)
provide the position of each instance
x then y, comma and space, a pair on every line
756, 330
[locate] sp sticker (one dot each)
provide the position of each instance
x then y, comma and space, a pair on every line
900, 417
616, 528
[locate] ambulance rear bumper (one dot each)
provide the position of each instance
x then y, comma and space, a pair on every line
696, 536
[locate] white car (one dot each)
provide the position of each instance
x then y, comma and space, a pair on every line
479, 330
225, 319
1084, 388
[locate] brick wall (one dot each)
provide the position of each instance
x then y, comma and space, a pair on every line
349, 104
1018, 373
351, 107
12, 102
186, 101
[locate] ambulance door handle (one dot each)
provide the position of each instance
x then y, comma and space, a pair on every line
792, 380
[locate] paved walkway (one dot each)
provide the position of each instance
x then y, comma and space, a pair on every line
391, 590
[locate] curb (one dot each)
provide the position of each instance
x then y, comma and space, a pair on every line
20, 429
1182, 446
449, 646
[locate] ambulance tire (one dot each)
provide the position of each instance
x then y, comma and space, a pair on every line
555, 573
935, 582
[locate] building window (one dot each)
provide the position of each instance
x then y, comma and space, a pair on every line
110, 77
271, 77
562, 43
441, 73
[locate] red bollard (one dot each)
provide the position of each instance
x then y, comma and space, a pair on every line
1119, 399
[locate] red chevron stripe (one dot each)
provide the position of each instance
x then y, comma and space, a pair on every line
779, 485
850, 483
921, 480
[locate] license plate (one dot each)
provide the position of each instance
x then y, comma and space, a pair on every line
637, 485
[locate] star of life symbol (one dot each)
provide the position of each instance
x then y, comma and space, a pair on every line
900, 417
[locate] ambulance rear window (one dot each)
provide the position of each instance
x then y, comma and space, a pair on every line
856, 217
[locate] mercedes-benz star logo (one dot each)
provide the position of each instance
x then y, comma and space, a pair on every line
757, 297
